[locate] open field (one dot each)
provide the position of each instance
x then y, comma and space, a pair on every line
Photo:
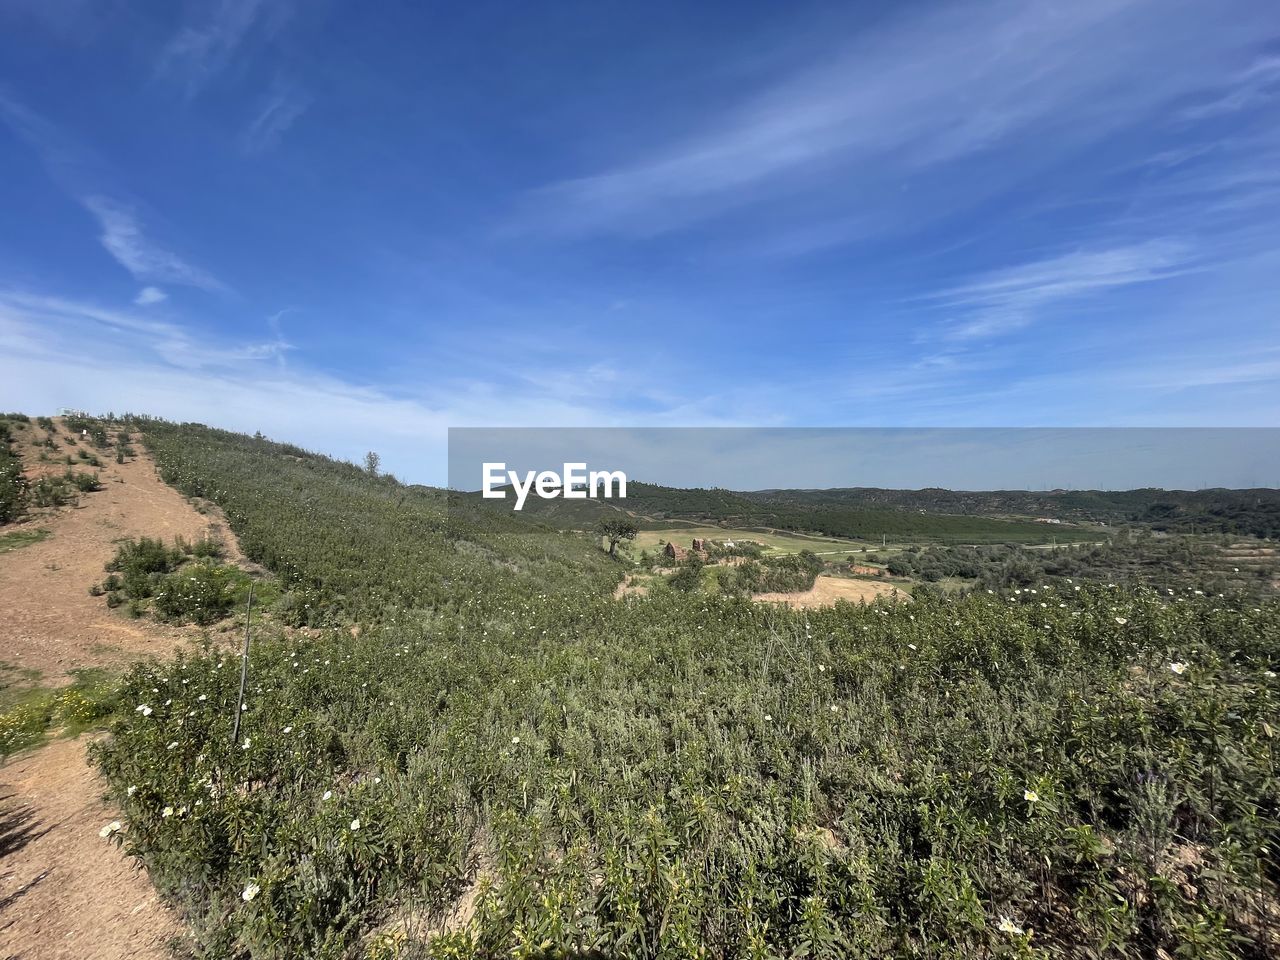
828, 590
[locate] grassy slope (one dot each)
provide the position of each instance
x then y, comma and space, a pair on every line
653, 778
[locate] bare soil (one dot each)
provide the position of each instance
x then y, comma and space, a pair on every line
827, 590
64, 891
51, 623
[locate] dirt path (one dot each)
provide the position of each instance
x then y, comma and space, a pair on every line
827, 590
51, 623
64, 891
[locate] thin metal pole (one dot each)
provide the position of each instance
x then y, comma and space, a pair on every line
244, 667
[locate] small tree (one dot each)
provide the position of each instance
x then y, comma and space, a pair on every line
615, 530
371, 463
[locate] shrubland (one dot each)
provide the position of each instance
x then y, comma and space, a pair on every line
13, 486
1213, 564
1069, 769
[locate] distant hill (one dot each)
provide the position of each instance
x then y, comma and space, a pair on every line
1254, 512
933, 513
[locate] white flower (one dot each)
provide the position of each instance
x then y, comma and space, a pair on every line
203, 697
172, 745
328, 795
355, 824
109, 829
288, 729
768, 718
1178, 668
245, 745
1008, 926
377, 780
834, 708
821, 668
1030, 796
515, 740
167, 812
131, 791
250, 891
143, 709
1121, 620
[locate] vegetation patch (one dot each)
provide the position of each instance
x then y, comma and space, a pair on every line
13, 485
17, 539
32, 711
185, 583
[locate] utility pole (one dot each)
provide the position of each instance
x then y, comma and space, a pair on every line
244, 668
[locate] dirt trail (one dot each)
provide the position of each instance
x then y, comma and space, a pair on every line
51, 623
64, 891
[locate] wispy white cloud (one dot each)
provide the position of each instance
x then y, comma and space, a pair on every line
122, 237
143, 364
276, 114
72, 167
927, 88
1257, 84
150, 295
140, 332
1008, 299
200, 51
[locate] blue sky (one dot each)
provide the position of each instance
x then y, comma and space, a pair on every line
354, 230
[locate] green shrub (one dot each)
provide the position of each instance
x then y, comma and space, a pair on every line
13, 485
199, 592
51, 492
85, 482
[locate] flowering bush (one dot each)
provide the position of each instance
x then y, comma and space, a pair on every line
201, 592
84, 704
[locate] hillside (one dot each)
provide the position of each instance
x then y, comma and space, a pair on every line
1244, 512
458, 743
821, 513
935, 515
345, 543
